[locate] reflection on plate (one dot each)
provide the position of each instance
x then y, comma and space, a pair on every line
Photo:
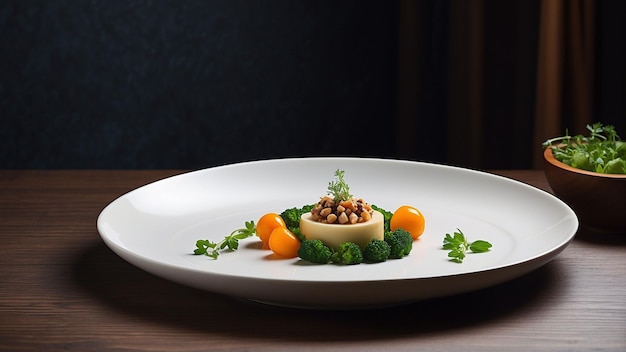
155, 227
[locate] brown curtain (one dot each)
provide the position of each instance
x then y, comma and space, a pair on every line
564, 70
515, 73
466, 84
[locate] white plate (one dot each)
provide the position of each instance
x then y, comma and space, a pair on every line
155, 227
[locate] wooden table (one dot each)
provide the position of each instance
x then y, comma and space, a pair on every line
61, 288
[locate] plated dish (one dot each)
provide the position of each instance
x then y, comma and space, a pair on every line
155, 227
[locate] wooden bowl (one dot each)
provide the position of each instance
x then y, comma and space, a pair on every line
599, 200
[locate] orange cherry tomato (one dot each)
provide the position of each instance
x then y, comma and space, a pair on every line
266, 224
409, 219
284, 243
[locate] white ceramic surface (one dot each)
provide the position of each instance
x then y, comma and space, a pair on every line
155, 227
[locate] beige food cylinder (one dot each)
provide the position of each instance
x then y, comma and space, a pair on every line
335, 234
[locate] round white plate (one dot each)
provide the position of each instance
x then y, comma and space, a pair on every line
155, 227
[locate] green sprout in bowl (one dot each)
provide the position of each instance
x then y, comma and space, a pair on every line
602, 151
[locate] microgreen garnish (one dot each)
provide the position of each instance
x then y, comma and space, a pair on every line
602, 151
230, 242
458, 246
339, 189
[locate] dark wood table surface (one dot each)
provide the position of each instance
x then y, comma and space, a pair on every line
61, 288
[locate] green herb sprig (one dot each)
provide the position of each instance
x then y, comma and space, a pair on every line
230, 242
339, 189
602, 151
458, 246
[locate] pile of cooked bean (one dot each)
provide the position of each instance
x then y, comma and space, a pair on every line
351, 211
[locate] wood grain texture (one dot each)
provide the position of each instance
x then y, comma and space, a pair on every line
61, 288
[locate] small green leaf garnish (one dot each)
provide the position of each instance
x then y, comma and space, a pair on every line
480, 246
230, 242
339, 189
458, 246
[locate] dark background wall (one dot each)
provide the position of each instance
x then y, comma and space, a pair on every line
198, 83
192, 84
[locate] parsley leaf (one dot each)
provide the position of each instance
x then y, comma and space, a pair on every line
230, 242
458, 246
480, 246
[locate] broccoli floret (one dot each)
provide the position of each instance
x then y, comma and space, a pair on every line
296, 232
347, 253
400, 242
292, 216
386, 216
314, 251
376, 251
